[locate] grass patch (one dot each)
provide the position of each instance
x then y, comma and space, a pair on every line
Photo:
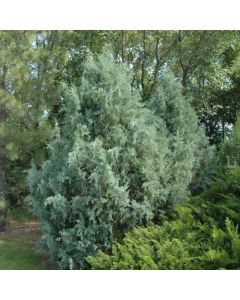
21, 254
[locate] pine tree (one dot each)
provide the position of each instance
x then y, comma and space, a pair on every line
28, 68
108, 168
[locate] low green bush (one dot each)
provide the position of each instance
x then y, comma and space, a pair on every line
204, 234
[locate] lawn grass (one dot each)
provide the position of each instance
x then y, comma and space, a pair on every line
20, 254
18, 245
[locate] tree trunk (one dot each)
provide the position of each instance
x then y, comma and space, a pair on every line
2, 177
122, 46
143, 66
2, 143
2, 169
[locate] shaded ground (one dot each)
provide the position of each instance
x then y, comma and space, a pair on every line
18, 249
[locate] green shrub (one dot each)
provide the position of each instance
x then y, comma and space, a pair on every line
203, 236
222, 199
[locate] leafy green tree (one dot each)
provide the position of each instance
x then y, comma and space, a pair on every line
146, 52
79, 43
206, 64
113, 164
13, 71
30, 62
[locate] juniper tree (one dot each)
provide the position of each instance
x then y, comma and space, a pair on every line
188, 145
109, 166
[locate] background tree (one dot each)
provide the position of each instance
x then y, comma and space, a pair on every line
204, 62
146, 53
28, 72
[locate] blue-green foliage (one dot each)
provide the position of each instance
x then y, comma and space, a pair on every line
113, 164
189, 154
205, 235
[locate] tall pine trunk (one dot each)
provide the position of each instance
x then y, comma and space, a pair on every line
2, 163
2, 176
2, 143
